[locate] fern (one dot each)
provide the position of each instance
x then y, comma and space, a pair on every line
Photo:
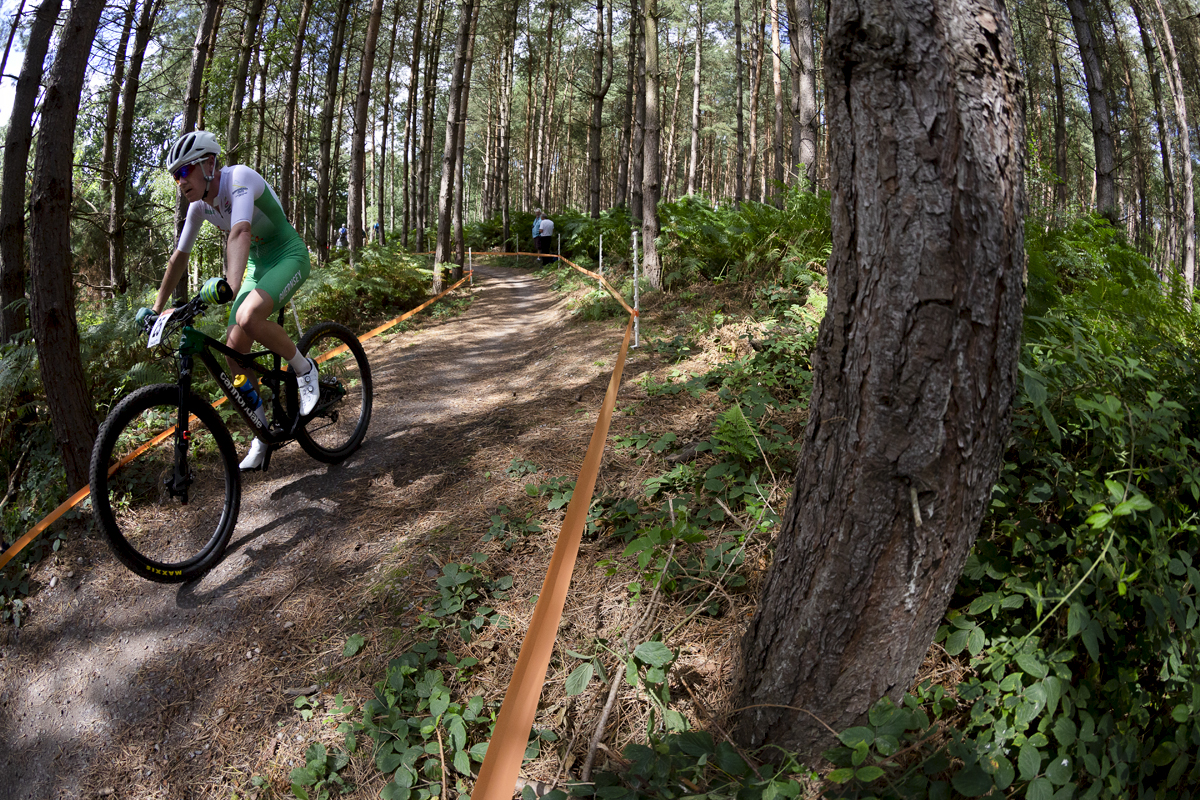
735, 434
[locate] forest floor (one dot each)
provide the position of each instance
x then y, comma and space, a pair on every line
115, 686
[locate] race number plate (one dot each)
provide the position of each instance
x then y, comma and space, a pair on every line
156, 332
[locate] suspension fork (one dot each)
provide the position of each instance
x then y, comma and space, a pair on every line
182, 478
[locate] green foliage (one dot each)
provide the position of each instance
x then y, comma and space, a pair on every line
461, 588
688, 764
318, 779
1078, 603
510, 527
382, 283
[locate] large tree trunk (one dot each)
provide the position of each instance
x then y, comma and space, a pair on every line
1093, 73
757, 48
116, 208
17, 142
600, 83
777, 88
915, 365
264, 73
460, 146
625, 144
358, 147
1188, 211
289, 114
249, 37
52, 301
1149, 38
114, 98
804, 91
466, 11
694, 153
387, 116
651, 264
325, 168
507, 70
638, 155
428, 109
414, 72
739, 192
191, 106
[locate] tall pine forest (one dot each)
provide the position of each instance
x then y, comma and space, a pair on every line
691, 142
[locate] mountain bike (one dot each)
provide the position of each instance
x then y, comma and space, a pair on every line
165, 483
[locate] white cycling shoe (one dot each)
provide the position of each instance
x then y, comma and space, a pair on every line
255, 458
310, 390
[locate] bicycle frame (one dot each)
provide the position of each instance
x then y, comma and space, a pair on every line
194, 343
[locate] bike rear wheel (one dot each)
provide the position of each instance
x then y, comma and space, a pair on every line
150, 528
339, 422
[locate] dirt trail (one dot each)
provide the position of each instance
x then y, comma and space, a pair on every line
119, 686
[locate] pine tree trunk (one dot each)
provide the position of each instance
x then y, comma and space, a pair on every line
739, 192
638, 156
804, 92
1149, 39
429, 103
123, 155
250, 35
1093, 73
17, 141
600, 84
444, 245
355, 212
289, 114
1188, 210
460, 146
914, 370
414, 72
114, 98
625, 145
325, 167
694, 155
52, 299
387, 116
507, 71
777, 86
653, 168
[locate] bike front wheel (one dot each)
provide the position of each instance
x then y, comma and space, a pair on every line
165, 526
339, 422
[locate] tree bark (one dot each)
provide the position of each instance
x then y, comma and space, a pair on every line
757, 42
1188, 211
507, 71
601, 81
638, 155
12, 32
52, 301
249, 37
114, 98
1093, 73
355, 212
414, 72
651, 265
17, 142
739, 192
694, 153
466, 11
777, 87
116, 208
325, 168
804, 91
626, 142
428, 109
289, 130
191, 106
1149, 39
387, 116
915, 366
460, 145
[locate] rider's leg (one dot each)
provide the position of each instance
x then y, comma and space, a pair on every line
253, 318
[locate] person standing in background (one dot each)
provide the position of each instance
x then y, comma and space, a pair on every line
546, 231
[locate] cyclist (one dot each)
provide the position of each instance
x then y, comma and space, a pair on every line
237, 200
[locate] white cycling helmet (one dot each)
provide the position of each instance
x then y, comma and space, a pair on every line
191, 147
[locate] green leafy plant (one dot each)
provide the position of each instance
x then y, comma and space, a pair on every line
318, 779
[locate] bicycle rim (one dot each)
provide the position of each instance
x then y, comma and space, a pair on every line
338, 424
154, 532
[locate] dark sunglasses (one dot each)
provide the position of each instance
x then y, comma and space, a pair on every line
186, 170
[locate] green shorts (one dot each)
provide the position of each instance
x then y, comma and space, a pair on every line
279, 278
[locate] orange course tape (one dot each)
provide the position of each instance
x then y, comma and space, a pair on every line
502, 763
77, 498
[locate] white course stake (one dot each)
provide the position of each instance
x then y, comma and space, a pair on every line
635, 289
